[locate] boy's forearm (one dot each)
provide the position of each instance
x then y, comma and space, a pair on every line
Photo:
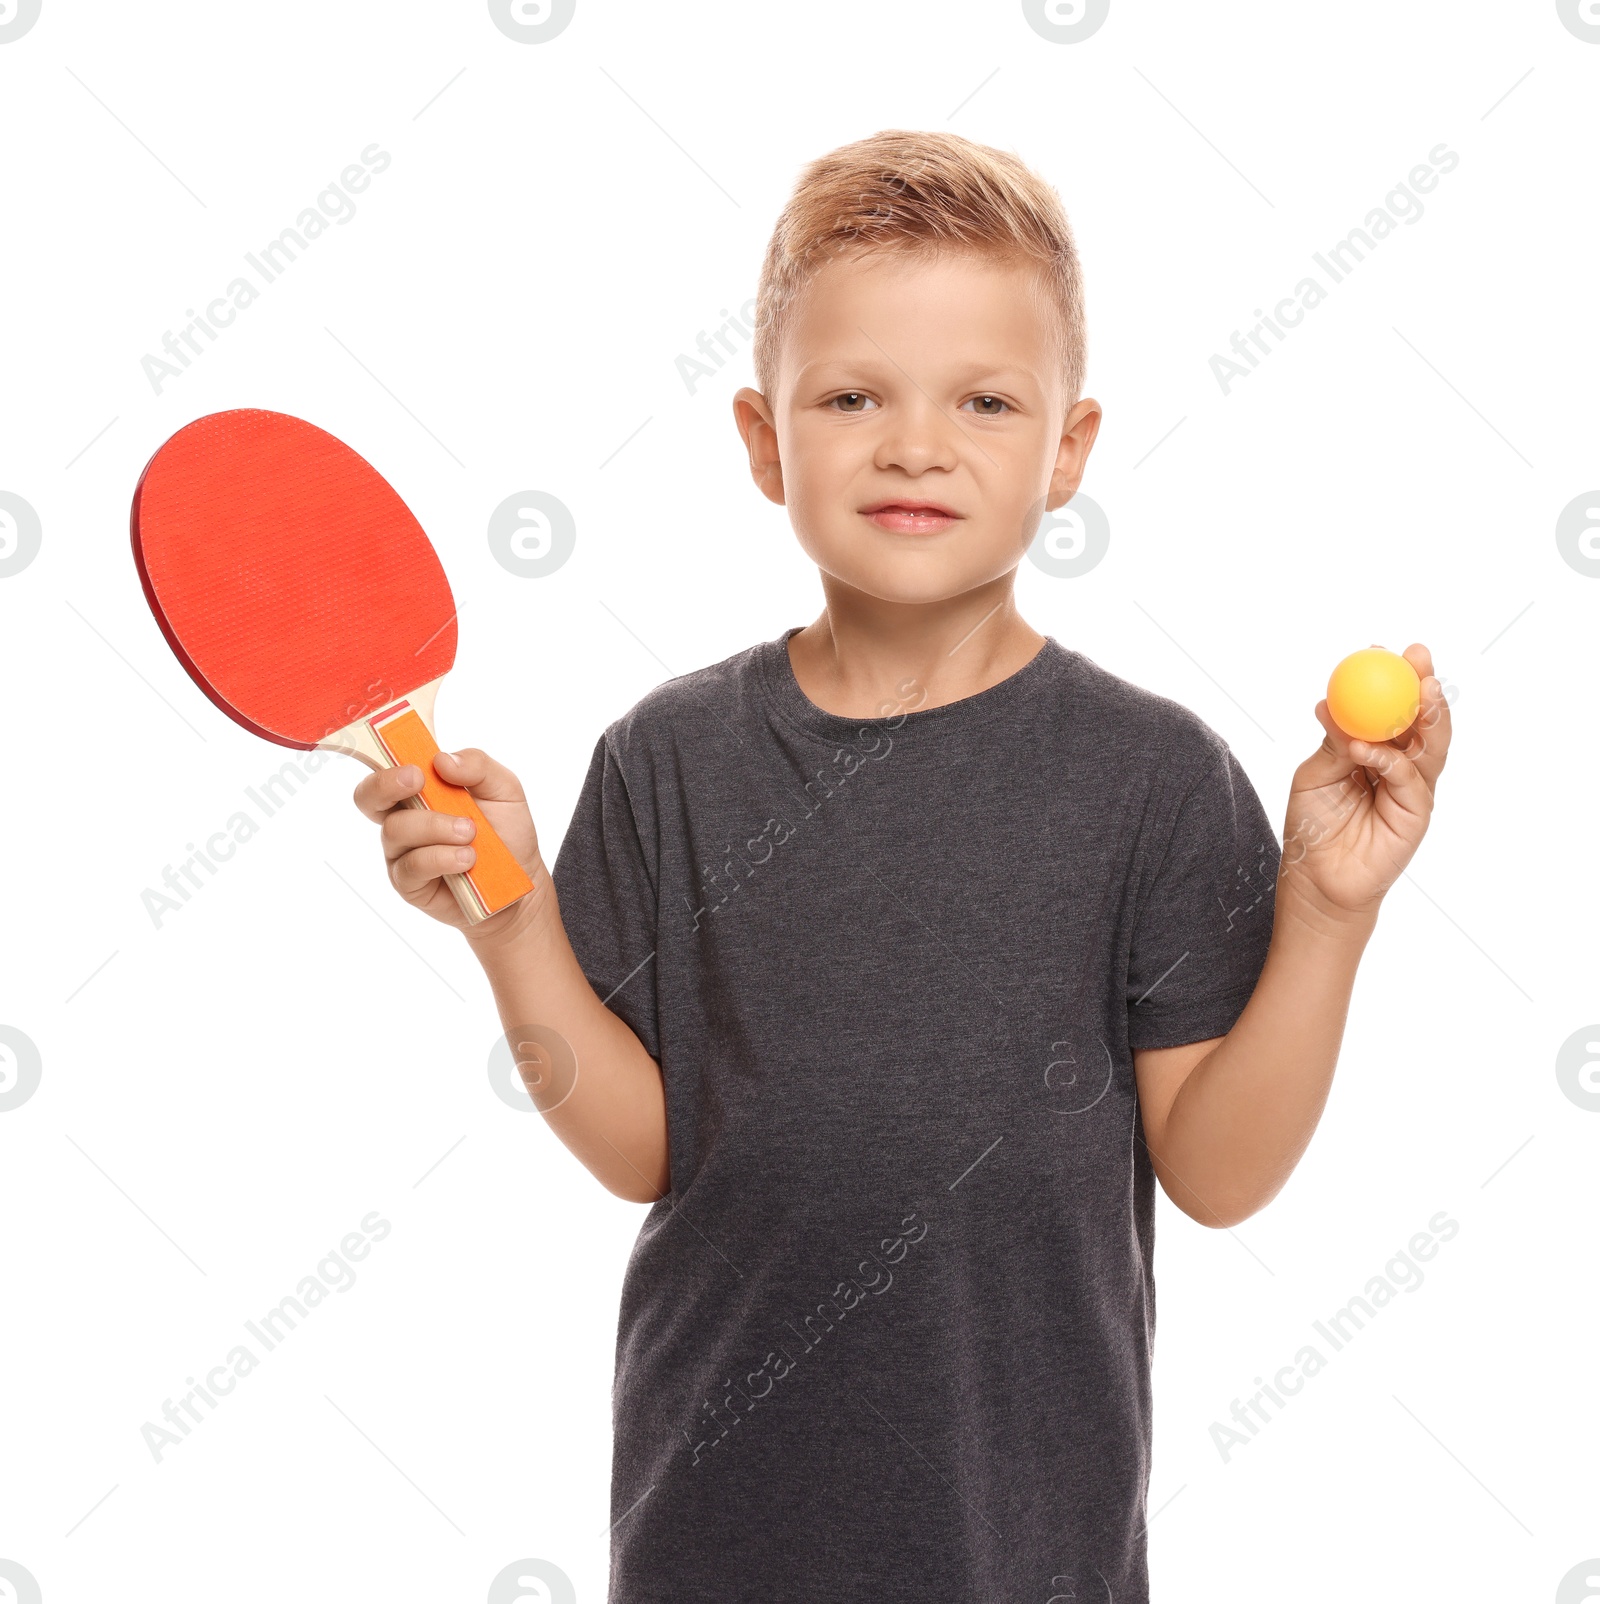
610, 1112
1246, 1113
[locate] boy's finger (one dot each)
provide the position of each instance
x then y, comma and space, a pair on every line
1431, 727
386, 789
1331, 765
412, 871
407, 828
1420, 658
1370, 764
1334, 754
480, 774
1402, 776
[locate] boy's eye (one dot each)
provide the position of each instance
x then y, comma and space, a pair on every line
987, 406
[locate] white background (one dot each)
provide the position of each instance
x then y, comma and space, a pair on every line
223, 1098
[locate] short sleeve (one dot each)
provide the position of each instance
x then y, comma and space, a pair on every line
608, 900
1201, 934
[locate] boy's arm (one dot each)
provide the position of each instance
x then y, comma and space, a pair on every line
1226, 1120
607, 1101
587, 1071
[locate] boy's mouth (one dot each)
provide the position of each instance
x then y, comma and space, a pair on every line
911, 517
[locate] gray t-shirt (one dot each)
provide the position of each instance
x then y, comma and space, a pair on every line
889, 1337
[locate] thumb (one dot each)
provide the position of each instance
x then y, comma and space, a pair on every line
1340, 752
479, 773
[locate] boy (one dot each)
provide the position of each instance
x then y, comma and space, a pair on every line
896, 959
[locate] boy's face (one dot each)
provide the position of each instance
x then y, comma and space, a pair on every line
908, 381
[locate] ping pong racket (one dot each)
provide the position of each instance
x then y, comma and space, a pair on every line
305, 600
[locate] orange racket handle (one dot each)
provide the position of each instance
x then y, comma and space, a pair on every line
496, 880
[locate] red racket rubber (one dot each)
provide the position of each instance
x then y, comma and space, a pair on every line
306, 601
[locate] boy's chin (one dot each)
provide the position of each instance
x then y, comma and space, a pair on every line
935, 584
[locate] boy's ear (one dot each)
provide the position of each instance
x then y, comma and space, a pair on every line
760, 434
1072, 456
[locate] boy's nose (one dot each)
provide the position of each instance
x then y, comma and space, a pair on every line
920, 435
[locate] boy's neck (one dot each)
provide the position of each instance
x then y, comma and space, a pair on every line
860, 653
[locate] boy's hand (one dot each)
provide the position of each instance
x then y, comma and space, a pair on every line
1358, 809
422, 846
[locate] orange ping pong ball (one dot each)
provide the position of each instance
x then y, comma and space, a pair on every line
1374, 694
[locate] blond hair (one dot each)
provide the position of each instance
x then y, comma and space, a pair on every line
921, 194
